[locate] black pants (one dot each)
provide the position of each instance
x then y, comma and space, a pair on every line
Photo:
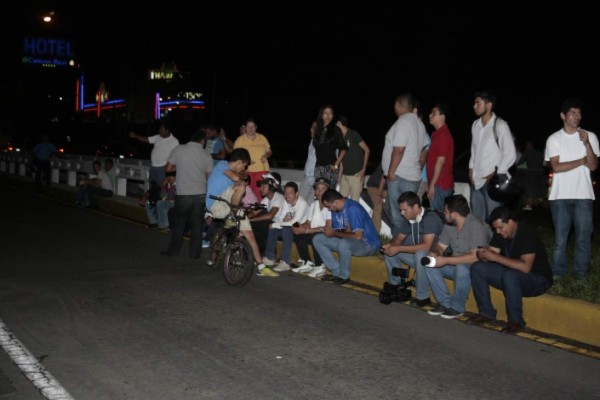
42, 171
302, 242
261, 232
190, 209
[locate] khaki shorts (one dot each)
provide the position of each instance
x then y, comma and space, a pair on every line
220, 210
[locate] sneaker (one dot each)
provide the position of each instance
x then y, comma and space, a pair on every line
438, 309
268, 262
282, 266
451, 313
419, 303
300, 262
205, 244
318, 271
264, 271
303, 268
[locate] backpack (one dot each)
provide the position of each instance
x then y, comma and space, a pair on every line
513, 169
503, 187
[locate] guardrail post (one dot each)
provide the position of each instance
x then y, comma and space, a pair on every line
2, 166
22, 170
122, 186
11, 167
72, 178
55, 175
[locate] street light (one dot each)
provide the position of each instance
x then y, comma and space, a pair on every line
48, 18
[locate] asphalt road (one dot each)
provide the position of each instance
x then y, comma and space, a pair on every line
92, 300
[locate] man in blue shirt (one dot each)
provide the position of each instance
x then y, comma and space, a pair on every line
352, 234
214, 143
42, 152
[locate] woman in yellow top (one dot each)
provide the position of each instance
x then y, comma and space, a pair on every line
260, 150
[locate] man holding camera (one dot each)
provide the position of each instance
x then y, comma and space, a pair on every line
453, 255
516, 263
419, 231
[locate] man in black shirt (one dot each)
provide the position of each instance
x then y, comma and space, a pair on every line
514, 262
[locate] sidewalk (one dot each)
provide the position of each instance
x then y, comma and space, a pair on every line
575, 320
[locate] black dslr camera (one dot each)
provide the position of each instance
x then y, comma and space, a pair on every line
398, 293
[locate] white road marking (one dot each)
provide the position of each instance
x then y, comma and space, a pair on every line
29, 365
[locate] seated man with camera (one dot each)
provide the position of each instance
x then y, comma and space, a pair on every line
352, 234
453, 255
516, 263
419, 231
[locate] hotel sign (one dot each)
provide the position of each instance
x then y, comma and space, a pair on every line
48, 52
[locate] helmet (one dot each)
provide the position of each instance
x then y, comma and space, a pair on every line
503, 188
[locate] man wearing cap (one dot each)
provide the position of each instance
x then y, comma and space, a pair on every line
270, 190
318, 217
352, 234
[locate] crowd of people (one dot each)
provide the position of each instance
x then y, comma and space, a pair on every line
477, 243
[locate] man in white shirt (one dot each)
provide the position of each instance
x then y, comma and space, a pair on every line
572, 153
492, 151
270, 190
98, 185
163, 143
401, 155
293, 214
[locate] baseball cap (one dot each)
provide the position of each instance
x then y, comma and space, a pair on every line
271, 179
322, 181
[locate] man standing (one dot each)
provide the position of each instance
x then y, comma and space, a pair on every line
214, 143
193, 165
404, 143
42, 152
492, 151
163, 144
453, 256
354, 163
516, 263
440, 159
418, 233
573, 153
352, 234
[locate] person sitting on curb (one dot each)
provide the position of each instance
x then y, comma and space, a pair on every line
270, 190
318, 217
453, 256
516, 263
419, 231
294, 213
88, 189
352, 234
158, 213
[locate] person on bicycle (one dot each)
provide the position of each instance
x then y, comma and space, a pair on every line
227, 181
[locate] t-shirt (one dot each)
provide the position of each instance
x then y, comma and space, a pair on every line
442, 145
354, 159
327, 149
406, 132
355, 217
576, 183
193, 164
473, 234
105, 182
43, 151
318, 216
214, 145
277, 201
431, 223
526, 241
298, 212
162, 149
257, 148
217, 181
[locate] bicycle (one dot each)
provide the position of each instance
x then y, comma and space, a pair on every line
231, 252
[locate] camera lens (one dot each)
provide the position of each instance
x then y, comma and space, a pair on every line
428, 261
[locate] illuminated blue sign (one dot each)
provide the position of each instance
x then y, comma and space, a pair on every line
48, 52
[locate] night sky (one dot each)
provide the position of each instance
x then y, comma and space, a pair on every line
279, 64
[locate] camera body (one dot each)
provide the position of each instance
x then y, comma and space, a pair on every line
396, 293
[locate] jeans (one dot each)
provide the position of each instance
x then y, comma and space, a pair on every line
394, 190
302, 242
579, 214
412, 260
287, 237
188, 209
346, 248
461, 275
437, 203
481, 202
514, 284
157, 174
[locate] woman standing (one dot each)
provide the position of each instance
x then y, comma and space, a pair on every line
330, 147
260, 150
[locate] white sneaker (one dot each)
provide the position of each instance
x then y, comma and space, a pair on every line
318, 271
268, 262
304, 268
282, 266
301, 262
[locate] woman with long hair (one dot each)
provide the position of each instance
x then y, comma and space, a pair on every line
330, 147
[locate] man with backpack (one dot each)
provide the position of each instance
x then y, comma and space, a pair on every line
419, 231
492, 152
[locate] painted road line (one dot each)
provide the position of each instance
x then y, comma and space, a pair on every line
29, 365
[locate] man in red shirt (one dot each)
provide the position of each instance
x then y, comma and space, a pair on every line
440, 159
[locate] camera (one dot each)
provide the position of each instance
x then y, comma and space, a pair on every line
296, 225
428, 262
395, 293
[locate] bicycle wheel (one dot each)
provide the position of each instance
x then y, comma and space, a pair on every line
238, 263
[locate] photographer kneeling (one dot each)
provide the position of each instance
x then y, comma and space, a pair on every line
419, 231
516, 263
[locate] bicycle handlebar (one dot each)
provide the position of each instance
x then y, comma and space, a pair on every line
255, 206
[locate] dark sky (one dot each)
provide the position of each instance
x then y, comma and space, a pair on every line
280, 63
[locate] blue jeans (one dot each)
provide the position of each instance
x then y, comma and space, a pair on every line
461, 275
437, 203
162, 209
287, 238
189, 209
579, 214
394, 190
346, 248
514, 284
481, 202
412, 260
